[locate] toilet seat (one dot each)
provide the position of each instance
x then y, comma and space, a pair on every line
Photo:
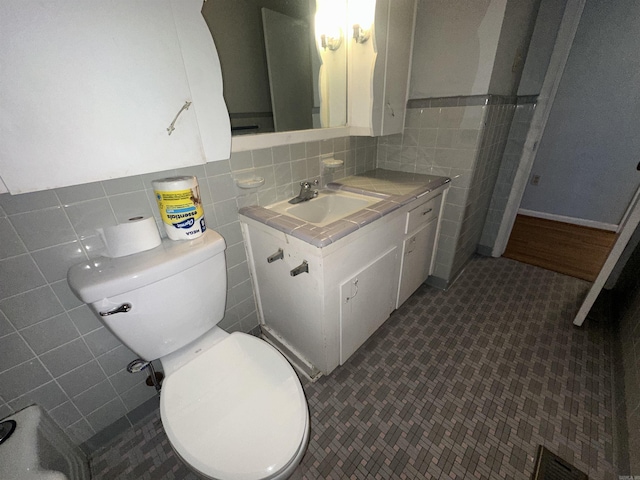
236, 411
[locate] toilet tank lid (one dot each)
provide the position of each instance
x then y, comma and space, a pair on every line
105, 277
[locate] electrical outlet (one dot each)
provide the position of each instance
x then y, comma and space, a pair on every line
535, 180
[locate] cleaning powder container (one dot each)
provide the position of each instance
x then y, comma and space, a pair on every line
180, 207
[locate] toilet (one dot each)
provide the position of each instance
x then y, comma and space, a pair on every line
231, 404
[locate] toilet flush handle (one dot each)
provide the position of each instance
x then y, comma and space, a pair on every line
124, 308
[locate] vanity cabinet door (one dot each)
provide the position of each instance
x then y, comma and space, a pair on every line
417, 252
366, 301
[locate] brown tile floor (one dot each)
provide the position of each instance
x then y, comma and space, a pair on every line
458, 384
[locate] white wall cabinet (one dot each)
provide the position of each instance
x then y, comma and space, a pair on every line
323, 316
90, 88
379, 71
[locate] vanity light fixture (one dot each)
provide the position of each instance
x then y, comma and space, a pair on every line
361, 17
330, 21
360, 35
332, 43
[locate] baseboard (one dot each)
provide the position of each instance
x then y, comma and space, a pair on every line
301, 365
572, 220
484, 251
437, 282
107, 435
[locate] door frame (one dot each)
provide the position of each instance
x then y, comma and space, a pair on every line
559, 56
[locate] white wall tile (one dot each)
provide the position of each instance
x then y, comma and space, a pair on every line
116, 360
54, 262
123, 381
82, 378
65, 295
94, 397
80, 431
43, 228
28, 202
67, 357
13, 351
65, 414
137, 395
100, 341
31, 307
5, 326
19, 274
10, 242
23, 378
50, 334
87, 217
84, 319
106, 415
48, 396
222, 187
129, 205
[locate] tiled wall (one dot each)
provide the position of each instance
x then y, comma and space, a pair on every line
462, 138
510, 161
53, 351
494, 138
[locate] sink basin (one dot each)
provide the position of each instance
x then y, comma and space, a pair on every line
326, 208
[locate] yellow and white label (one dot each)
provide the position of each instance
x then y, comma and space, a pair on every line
181, 212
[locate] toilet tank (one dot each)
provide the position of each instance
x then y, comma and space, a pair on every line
175, 292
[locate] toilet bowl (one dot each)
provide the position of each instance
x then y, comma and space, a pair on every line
236, 411
231, 404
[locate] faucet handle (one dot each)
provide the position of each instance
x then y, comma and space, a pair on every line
307, 183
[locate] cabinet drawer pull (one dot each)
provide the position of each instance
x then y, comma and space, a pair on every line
302, 268
279, 255
427, 211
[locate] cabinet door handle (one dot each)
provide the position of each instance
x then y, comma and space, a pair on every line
279, 255
172, 126
393, 114
427, 211
355, 282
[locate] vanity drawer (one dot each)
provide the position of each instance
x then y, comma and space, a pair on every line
422, 214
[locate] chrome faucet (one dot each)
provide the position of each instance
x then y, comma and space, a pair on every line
306, 193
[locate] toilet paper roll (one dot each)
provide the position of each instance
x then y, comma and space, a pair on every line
136, 235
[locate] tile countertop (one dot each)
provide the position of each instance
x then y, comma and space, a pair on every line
395, 189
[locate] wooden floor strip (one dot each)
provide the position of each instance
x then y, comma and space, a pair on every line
561, 247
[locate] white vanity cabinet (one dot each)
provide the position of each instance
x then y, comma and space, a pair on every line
322, 316
379, 69
90, 88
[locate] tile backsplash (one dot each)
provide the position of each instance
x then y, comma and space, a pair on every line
53, 350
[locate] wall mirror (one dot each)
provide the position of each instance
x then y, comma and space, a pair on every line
284, 62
